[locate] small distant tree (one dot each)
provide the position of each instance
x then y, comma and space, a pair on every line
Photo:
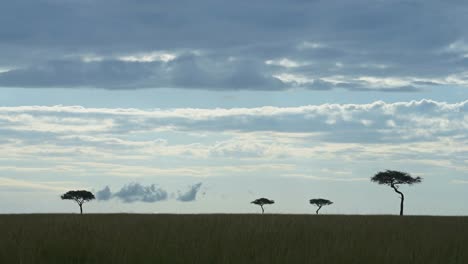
394, 179
80, 197
320, 203
262, 202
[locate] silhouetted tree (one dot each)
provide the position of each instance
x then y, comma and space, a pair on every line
80, 197
320, 203
262, 202
394, 179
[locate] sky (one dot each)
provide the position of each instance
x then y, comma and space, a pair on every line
204, 106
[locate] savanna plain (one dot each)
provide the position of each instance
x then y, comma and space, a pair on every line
231, 238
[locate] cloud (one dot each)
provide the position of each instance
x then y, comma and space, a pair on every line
380, 121
323, 178
115, 138
187, 45
190, 195
104, 194
130, 72
135, 192
17, 184
68, 73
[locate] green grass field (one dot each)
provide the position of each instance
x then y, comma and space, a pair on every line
121, 238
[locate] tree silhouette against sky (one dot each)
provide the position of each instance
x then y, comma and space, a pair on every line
80, 197
319, 202
262, 202
394, 179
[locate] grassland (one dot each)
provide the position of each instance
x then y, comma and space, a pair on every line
121, 238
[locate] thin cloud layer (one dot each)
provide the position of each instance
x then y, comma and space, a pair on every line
376, 122
363, 45
109, 140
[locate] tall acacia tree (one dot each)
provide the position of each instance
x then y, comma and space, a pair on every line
394, 179
319, 202
80, 197
262, 202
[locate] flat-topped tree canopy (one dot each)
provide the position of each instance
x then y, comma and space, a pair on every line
80, 197
395, 178
262, 202
319, 202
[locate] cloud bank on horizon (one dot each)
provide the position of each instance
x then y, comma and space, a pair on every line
363, 45
136, 192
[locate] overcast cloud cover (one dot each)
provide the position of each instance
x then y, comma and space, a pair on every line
277, 99
387, 45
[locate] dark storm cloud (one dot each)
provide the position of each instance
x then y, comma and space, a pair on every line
224, 45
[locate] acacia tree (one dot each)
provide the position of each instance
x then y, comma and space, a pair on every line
319, 202
80, 197
262, 202
394, 179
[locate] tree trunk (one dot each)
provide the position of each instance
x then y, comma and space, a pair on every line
402, 198
316, 212
401, 203
81, 208
263, 211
